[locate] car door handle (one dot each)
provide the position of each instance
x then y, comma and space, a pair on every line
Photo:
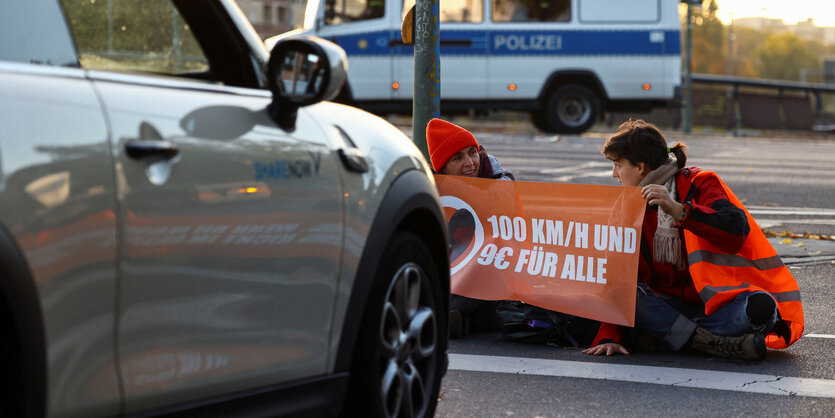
145, 148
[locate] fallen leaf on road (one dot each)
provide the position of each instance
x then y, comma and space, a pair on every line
799, 244
786, 241
771, 234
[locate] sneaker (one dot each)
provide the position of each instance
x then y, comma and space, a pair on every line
744, 347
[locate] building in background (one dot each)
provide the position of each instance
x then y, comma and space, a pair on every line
272, 17
804, 29
764, 24
808, 31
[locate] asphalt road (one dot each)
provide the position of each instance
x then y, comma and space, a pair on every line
786, 183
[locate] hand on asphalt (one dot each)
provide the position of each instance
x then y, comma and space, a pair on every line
607, 349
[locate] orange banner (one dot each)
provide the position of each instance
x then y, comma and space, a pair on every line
566, 247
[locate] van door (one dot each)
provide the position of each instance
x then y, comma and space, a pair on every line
363, 28
619, 31
463, 45
526, 46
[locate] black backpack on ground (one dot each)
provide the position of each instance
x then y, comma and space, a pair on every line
531, 324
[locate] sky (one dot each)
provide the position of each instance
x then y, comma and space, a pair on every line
791, 11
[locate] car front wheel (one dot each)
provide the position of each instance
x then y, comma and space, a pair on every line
399, 362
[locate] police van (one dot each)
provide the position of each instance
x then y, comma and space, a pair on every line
564, 61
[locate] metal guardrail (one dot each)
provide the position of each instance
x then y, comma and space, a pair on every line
763, 82
815, 89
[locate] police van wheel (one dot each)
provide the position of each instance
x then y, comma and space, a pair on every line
572, 108
400, 354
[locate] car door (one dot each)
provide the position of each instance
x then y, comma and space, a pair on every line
57, 206
230, 228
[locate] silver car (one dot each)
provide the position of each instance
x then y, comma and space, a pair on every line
186, 225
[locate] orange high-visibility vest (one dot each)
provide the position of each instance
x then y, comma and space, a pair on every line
719, 276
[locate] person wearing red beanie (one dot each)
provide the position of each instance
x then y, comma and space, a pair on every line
454, 150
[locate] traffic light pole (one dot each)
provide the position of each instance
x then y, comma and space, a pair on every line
426, 98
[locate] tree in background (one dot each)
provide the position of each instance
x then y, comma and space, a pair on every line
783, 55
758, 54
746, 41
709, 41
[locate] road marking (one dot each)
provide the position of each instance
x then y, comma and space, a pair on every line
806, 260
819, 336
774, 210
588, 169
590, 164
770, 223
569, 178
692, 378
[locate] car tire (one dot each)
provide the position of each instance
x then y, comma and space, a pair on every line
572, 108
400, 353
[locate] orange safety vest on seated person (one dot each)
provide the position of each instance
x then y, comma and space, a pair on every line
719, 276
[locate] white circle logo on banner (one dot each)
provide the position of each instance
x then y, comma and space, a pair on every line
458, 204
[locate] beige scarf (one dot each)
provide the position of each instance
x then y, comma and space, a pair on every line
666, 242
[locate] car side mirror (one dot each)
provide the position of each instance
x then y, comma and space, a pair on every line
303, 71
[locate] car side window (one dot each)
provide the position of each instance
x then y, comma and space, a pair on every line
34, 32
133, 36
531, 10
455, 11
341, 11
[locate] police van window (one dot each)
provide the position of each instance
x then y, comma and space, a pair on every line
341, 11
454, 11
531, 10
127, 35
610, 11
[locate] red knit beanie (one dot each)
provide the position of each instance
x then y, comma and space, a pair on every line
444, 139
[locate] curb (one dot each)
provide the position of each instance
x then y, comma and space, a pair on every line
804, 251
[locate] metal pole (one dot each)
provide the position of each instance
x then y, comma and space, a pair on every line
426, 98
688, 73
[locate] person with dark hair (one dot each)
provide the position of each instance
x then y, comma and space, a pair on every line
708, 279
454, 150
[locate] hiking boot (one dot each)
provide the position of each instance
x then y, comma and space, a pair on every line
744, 347
459, 325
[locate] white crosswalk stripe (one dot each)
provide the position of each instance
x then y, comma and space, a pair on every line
679, 377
